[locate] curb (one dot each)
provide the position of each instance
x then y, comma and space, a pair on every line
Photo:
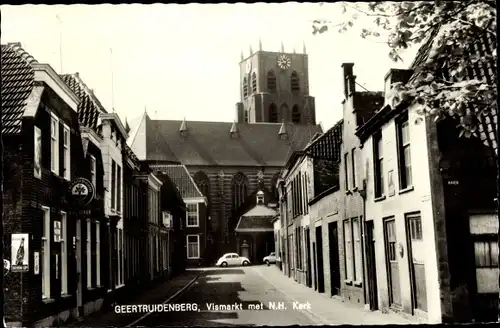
183, 289
313, 316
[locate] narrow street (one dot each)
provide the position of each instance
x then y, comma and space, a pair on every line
224, 286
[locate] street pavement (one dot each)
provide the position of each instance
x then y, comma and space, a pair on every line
197, 298
242, 286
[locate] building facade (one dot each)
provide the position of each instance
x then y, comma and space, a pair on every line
44, 154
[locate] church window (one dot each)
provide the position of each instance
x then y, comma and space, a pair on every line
296, 114
239, 188
295, 82
273, 113
284, 112
271, 82
245, 87
254, 83
246, 116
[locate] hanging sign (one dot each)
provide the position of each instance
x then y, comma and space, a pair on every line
81, 191
57, 231
20, 252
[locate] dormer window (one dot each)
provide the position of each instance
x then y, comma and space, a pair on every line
260, 198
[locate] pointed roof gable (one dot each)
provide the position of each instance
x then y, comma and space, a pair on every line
282, 129
209, 143
17, 82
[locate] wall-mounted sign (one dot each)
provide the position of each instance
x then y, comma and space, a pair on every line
36, 264
20, 252
167, 219
391, 183
81, 191
57, 231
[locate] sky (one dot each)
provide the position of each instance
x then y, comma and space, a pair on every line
181, 61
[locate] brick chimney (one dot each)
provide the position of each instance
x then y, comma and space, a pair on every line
394, 76
349, 78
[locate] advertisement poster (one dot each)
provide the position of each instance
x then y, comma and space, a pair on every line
36, 265
20, 252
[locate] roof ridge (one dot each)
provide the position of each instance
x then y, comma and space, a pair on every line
88, 91
192, 180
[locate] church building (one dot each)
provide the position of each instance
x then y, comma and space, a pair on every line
231, 161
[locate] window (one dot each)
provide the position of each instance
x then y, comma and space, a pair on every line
245, 87
358, 266
192, 215
296, 114
54, 144
89, 254
260, 197
353, 164
239, 190
486, 253
118, 188
378, 164
98, 252
64, 253
45, 253
271, 82
391, 240
348, 250
273, 113
403, 134
119, 249
93, 171
346, 169
37, 153
67, 153
254, 83
112, 181
415, 224
193, 246
295, 82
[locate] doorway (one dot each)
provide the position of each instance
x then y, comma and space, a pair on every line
392, 263
319, 252
416, 262
315, 268
372, 272
308, 256
79, 287
334, 258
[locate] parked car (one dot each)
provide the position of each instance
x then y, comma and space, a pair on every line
271, 258
232, 259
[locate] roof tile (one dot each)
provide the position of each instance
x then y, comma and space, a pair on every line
181, 178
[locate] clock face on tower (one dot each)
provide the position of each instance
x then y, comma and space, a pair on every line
284, 62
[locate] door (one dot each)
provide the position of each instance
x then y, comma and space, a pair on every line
370, 263
308, 256
392, 263
235, 259
416, 262
334, 258
319, 252
315, 268
78, 255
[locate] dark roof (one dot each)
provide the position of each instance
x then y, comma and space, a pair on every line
328, 145
17, 82
211, 143
366, 104
171, 199
255, 223
181, 178
89, 107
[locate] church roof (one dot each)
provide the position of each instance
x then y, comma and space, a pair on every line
210, 143
260, 211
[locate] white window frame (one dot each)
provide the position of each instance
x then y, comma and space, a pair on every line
98, 252
348, 249
120, 257
54, 143
187, 246
64, 253
93, 171
46, 253
357, 260
89, 254
197, 216
119, 173
67, 153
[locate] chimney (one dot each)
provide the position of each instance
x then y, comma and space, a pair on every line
349, 79
240, 113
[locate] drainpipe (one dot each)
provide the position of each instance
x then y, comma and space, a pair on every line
364, 246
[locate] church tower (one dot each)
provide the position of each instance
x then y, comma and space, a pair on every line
274, 88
